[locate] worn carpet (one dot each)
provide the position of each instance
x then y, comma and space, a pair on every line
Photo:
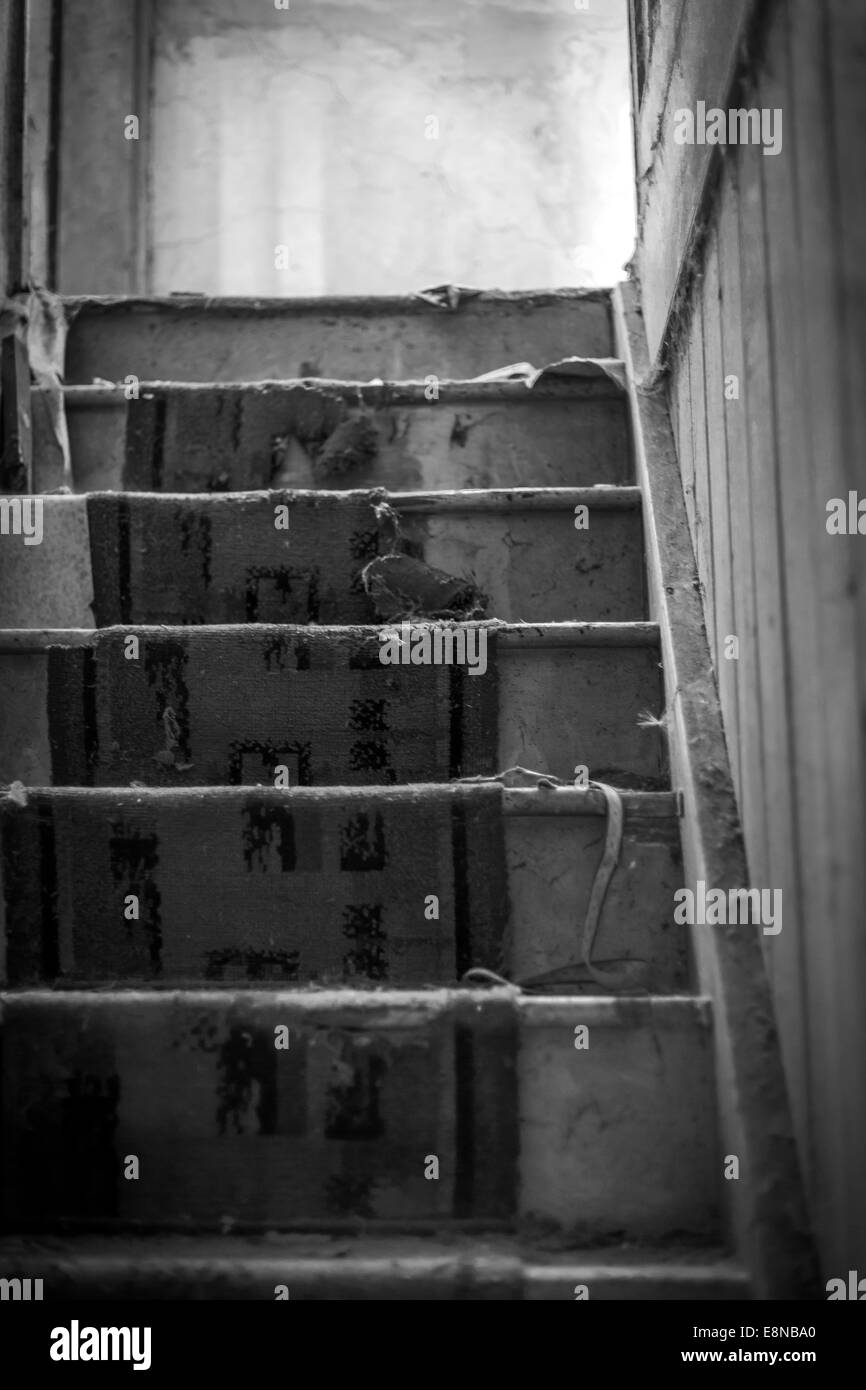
222, 884
204, 706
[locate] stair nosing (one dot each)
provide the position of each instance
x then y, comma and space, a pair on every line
516, 801
534, 298
510, 636
400, 391
392, 1007
600, 496
275, 1246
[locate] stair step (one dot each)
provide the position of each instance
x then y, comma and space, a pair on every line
45, 572
362, 1268
183, 437
617, 1139
253, 884
296, 557
226, 705
197, 338
526, 554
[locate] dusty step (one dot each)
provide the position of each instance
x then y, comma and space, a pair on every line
548, 555
409, 886
193, 338
373, 1090
183, 437
304, 1267
180, 706
297, 556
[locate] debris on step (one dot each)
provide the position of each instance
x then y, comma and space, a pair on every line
521, 777
402, 587
353, 444
315, 414
585, 367
647, 720
46, 351
34, 318
633, 976
289, 459
326, 435
167, 756
615, 977
447, 296
16, 792
391, 535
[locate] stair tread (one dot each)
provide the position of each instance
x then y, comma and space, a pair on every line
363, 1088
604, 496
400, 433
330, 336
404, 303
602, 634
594, 379
253, 884
384, 1008
297, 554
516, 801
326, 1246
453, 1265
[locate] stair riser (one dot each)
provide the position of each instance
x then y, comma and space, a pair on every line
226, 1127
632, 1115
341, 1126
224, 884
253, 341
189, 561
50, 584
551, 866
536, 567
223, 440
243, 706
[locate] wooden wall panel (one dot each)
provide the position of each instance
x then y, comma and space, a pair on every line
661, 51
693, 58
681, 375
747, 757
840, 324
777, 298
831, 966
722, 600
703, 517
789, 381
775, 869
847, 67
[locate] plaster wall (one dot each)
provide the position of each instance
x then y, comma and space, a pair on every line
387, 146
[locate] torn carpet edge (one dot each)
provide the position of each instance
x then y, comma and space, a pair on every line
588, 368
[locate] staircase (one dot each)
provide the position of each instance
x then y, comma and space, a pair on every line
247, 864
